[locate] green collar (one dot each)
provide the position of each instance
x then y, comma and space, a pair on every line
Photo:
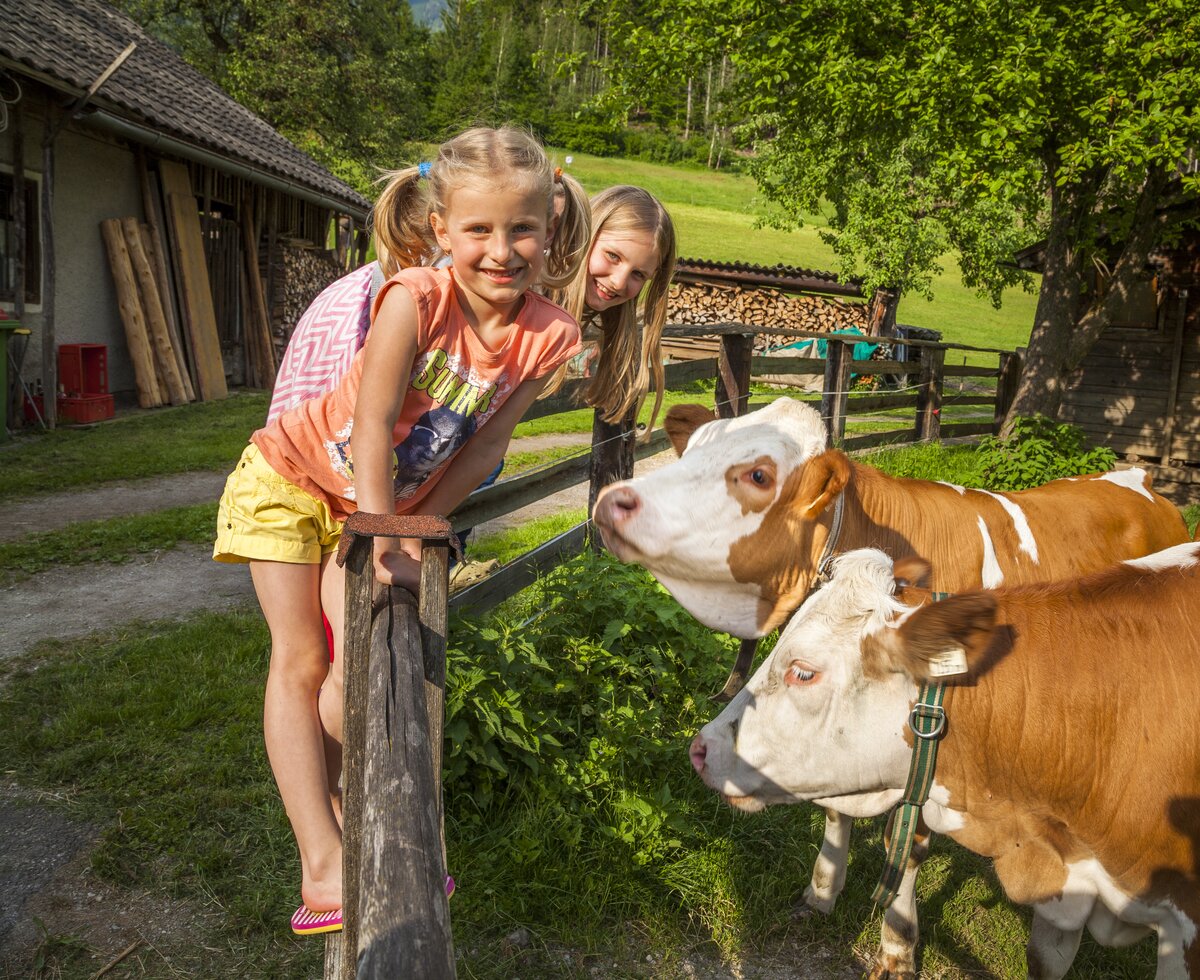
928, 723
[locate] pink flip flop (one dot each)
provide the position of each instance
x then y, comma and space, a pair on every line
449, 886
306, 923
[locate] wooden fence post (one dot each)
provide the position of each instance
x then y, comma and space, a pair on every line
1006, 386
612, 458
396, 916
733, 374
929, 394
835, 397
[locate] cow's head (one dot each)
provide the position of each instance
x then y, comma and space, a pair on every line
825, 717
736, 527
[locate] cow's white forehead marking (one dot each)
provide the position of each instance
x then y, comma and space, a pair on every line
1020, 522
785, 427
991, 574
1178, 556
1134, 479
961, 491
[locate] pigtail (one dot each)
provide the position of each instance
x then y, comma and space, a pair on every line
572, 234
400, 221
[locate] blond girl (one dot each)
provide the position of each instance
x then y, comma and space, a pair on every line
453, 359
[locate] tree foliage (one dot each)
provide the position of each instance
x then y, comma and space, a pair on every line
980, 125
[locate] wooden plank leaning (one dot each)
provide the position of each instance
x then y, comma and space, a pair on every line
132, 318
395, 911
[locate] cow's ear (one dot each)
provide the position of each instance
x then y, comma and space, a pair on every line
682, 420
945, 640
821, 480
912, 572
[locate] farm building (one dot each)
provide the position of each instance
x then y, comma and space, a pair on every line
1138, 389
100, 121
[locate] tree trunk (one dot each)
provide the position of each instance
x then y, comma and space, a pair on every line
881, 312
1064, 327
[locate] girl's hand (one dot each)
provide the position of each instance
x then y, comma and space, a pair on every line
398, 562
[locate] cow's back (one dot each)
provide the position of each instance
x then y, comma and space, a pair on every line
980, 539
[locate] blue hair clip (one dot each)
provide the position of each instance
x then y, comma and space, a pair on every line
424, 169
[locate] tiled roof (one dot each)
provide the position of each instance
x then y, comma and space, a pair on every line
780, 276
69, 43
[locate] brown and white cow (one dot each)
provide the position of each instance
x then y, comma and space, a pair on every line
737, 527
1071, 753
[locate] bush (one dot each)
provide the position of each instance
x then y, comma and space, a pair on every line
1037, 451
584, 136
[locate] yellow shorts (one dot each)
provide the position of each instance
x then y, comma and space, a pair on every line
263, 517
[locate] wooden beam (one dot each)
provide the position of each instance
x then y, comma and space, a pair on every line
521, 572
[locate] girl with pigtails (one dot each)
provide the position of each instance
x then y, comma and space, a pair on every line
453, 354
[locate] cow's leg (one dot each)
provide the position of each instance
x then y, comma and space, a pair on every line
1108, 930
898, 937
829, 870
1055, 934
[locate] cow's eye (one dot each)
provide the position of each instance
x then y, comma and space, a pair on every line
759, 477
798, 674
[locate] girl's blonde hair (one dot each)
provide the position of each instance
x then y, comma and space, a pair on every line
630, 355
400, 218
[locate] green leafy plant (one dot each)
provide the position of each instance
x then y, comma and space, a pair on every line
584, 700
1039, 450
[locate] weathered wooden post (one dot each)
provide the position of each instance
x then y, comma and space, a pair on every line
395, 911
929, 394
733, 374
835, 398
612, 458
1006, 386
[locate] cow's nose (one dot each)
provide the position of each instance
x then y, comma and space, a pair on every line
697, 753
616, 504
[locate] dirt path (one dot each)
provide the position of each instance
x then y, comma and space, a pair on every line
73, 601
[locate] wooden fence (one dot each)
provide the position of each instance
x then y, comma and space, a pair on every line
613, 450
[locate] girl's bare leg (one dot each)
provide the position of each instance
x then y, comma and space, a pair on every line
333, 601
289, 597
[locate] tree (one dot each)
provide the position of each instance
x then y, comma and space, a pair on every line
984, 122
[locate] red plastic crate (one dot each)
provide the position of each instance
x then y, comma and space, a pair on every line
89, 408
83, 369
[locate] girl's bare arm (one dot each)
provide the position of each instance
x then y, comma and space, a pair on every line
387, 367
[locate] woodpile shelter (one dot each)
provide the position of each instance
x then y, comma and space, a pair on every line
1138, 389
763, 296
145, 213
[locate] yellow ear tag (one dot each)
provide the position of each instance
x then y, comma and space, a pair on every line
948, 663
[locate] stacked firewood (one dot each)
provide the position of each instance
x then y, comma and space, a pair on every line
701, 303
301, 273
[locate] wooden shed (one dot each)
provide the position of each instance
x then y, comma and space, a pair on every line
99, 121
1138, 389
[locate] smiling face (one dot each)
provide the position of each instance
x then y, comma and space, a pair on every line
496, 234
619, 265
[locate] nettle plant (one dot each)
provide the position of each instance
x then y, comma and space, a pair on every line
582, 703
1037, 451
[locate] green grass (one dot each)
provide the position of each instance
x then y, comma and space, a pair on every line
115, 540
155, 735
200, 436
504, 546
